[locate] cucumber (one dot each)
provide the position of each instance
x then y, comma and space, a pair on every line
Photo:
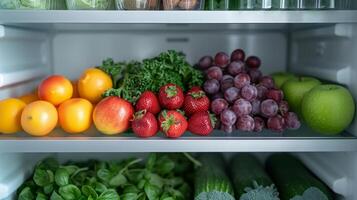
250, 180
211, 181
294, 181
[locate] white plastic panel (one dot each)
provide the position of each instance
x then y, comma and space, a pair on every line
24, 57
328, 53
75, 51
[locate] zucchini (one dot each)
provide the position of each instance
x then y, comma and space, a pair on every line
294, 181
250, 180
211, 181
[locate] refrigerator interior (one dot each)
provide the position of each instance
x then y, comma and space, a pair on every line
29, 52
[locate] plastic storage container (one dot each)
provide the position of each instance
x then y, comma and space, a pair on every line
309, 4
183, 4
90, 4
216, 5
251, 4
286, 4
33, 4
137, 4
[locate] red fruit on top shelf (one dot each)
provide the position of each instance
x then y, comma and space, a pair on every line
291, 121
276, 123
144, 124
275, 94
241, 80
196, 102
249, 92
245, 123
171, 96
262, 91
194, 89
221, 59
149, 102
205, 62
218, 106
235, 68
231, 94
214, 73
238, 55
201, 123
267, 82
228, 117
258, 124
172, 123
269, 108
253, 62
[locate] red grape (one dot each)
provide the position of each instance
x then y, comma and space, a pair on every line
276, 95
249, 92
245, 123
231, 94
255, 107
292, 121
255, 75
227, 128
218, 95
221, 59
242, 107
226, 83
241, 80
258, 124
269, 108
228, 117
283, 107
214, 73
211, 86
253, 62
276, 123
267, 81
218, 105
238, 55
235, 68
262, 90
227, 77
205, 62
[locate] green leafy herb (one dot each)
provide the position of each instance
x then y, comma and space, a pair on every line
134, 78
70, 192
43, 177
26, 194
62, 177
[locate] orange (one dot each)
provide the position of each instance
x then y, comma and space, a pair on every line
55, 89
75, 89
10, 112
29, 98
39, 118
75, 115
93, 83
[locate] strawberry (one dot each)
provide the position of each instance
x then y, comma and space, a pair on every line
171, 96
148, 101
196, 101
194, 89
172, 123
144, 124
202, 123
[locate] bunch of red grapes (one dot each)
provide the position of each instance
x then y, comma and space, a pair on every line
241, 97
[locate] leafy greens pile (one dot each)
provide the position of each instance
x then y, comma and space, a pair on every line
162, 177
132, 79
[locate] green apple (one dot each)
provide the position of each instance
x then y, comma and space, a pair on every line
281, 77
328, 109
295, 89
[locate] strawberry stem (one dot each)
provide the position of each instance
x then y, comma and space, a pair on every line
171, 91
198, 94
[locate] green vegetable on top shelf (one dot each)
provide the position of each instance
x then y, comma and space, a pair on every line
90, 4
250, 180
162, 176
131, 79
211, 180
294, 181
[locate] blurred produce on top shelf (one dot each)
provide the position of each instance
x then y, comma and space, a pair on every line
242, 98
33, 4
138, 4
90, 4
183, 4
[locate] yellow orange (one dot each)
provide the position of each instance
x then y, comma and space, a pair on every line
93, 83
75, 115
55, 89
10, 112
39, 118
29, 98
